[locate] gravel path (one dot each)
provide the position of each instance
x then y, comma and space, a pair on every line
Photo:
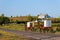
35, 35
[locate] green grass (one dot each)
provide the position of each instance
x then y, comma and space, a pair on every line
13, 26
22, 27
55, 24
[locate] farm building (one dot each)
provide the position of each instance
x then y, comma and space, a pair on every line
41, 17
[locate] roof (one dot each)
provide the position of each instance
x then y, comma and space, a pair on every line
43, 14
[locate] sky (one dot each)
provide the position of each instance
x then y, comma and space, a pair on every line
33, 7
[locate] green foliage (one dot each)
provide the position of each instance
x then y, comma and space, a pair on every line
55, 20
58, 29
1, 20
4, 20
20, 27
32, 18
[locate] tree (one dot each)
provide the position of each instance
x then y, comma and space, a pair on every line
2, 15
1, 20
30, 18
11, 16
4, 20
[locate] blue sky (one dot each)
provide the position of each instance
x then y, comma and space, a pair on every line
33, 7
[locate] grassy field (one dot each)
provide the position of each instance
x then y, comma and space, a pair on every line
9, 36
14, 26
22, 27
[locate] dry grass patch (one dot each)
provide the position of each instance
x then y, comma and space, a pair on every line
9, 36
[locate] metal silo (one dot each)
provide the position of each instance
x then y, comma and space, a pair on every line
47, 23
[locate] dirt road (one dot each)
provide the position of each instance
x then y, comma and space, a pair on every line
34, 35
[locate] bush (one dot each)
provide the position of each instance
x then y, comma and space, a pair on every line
4, 20
58, 29
55, 20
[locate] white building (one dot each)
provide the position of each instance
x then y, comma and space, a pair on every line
43, 16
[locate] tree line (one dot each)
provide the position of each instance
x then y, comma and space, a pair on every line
6, 20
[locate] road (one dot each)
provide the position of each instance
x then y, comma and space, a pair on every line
33, 35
